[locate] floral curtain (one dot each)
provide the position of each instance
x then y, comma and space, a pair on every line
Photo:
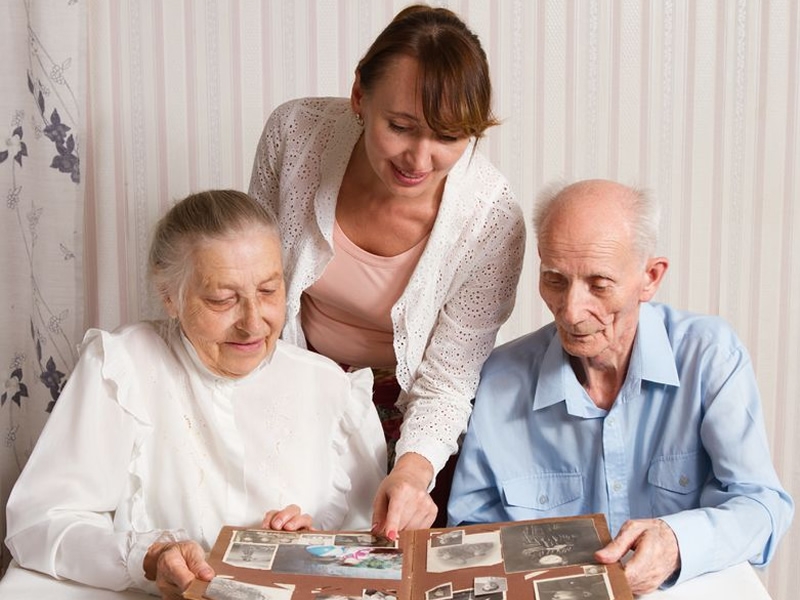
41, 316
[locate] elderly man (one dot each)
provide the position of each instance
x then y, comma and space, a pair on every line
622, 406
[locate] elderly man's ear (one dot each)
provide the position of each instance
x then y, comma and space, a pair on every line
652, 277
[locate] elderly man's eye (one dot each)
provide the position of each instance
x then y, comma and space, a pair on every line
552, 280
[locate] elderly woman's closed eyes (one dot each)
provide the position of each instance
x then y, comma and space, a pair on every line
168, 430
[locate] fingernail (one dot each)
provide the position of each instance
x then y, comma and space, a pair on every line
278, 523
392, 535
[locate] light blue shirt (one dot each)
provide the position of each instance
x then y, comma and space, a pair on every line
684, 441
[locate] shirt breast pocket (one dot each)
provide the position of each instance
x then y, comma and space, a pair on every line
543, 494
676, 481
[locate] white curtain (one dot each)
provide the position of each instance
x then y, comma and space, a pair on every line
42, 97
698, 100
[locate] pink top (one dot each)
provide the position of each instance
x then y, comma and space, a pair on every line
346, 314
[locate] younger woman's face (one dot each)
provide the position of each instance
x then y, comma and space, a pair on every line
408, 158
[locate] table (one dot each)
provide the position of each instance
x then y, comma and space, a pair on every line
736, 582
21, 584
739, 581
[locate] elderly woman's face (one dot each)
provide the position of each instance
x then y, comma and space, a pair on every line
235, 302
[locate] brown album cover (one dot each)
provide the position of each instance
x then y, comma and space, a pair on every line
544, 559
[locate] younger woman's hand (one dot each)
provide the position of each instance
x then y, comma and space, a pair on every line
402, 501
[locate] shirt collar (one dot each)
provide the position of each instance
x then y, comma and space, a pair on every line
652, 359
657, 358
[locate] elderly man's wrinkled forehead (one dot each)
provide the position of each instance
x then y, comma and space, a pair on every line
596, 198
590, 210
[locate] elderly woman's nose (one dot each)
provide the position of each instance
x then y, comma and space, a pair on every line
249, 315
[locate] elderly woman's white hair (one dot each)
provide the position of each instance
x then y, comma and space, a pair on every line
206, 215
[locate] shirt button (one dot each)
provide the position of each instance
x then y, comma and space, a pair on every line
543, 499
617, 486
683, 481
610, 421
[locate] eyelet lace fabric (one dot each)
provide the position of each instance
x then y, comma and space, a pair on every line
461, 292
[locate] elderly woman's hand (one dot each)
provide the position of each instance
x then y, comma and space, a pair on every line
402, 501
287, 519
174, 565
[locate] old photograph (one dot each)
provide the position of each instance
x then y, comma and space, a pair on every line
315, 539
448, 538
363, 539
532, 546
580, 587
259, 536
378, 595
470, 595
477, 550
250, 556
489, 585
440, 592
228, 589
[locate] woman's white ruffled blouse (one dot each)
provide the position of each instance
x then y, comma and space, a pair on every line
145, 440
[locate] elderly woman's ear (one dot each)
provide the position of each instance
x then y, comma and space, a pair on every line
169, 305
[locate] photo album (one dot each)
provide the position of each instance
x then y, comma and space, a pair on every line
545, 559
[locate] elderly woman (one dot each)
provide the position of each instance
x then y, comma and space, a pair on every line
168, 430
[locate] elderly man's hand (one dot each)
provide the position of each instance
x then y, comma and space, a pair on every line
656, 555
402, 501
174, 565
290, 518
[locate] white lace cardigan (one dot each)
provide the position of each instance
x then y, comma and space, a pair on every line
460, 293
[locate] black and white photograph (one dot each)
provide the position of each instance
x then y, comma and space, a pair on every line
336, 597
477, 550
229, 589
448, 538
470, 595
440, 592
315, 539
259, 536
580, 587
378, 595
534, 546
488, 585
363, 539
250, 556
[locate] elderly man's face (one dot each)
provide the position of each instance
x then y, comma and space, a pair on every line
591, 277
235, 303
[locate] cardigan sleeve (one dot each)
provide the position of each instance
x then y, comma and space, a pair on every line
437, 404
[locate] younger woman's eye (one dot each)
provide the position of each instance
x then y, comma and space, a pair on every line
396, 127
